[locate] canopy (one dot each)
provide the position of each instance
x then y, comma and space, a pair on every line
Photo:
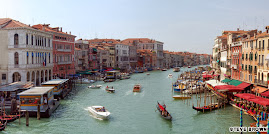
161, 107
266, 94
226, 80
229, 88
259, 89
214, 83
243, 85
207, 76
234, 82
253, 98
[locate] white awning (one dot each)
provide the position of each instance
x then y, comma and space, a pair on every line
215, 83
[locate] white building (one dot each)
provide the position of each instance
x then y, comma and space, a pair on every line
26, 53
122, 56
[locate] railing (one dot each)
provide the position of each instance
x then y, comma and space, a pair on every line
261, 64
255, 71
16, 66
251, 48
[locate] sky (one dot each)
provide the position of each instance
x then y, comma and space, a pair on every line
183, 25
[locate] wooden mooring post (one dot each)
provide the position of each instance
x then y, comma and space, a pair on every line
27, 118
38, 112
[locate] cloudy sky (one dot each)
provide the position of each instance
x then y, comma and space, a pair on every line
183, 25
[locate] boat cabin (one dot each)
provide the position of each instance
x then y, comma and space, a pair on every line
112, 74
37, 96
61, 87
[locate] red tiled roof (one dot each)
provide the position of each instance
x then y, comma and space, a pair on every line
46, 27
10, 23
139, 40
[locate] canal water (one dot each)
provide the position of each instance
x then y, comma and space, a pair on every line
132, 113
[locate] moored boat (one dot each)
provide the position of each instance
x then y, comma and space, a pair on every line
84, 81
209, 107
3, 126
189, 66
180, 87
99, 112
181, 96
137, 88
176, 69
95, 86
8, 118
164, 113
109, 80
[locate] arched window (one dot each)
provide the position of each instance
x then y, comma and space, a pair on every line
16, 58
28, 76
49, 43
27, 39
16, 39
45, 42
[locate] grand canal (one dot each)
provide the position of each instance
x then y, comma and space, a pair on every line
132, 113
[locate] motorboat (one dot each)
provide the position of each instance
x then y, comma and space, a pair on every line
109, 80
84, 81
137, 88
180, 87
95, 86
176, 69
148, 73
164, 69
189, 66
110, 89
170, 75
99, 112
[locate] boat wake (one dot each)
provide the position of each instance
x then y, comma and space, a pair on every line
93, 115
129, 92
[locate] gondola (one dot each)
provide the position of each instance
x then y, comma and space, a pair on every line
3, 126
8, 118
206, 108
161, 108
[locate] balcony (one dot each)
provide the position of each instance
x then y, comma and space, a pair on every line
64, 62
16, 66
255, 71
251, 48
267, 48
261, 64
260, 82
64, 50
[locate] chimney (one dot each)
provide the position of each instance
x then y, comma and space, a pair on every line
254, 35
61, 29
260, 32
70, 32
237, 29
266, 29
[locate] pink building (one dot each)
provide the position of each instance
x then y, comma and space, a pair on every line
63, 50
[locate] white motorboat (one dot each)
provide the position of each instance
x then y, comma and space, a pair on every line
99, 112
110, 89
170, 75
95, 86
84, 81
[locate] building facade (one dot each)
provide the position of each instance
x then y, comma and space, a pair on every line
26, 53
63, 50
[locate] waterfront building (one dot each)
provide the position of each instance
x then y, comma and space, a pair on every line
216, 55
148, 44
167, 59
82, 55
249, 58
108, 44
262, 58
223, 55
26, 53
122, 56
63, 50
146, 59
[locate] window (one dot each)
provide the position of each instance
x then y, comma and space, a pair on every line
49, 43
32, 40
32, 58
262, 44
49, 57
27, 39
4, 76
16, 39
27, 58
16, 58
